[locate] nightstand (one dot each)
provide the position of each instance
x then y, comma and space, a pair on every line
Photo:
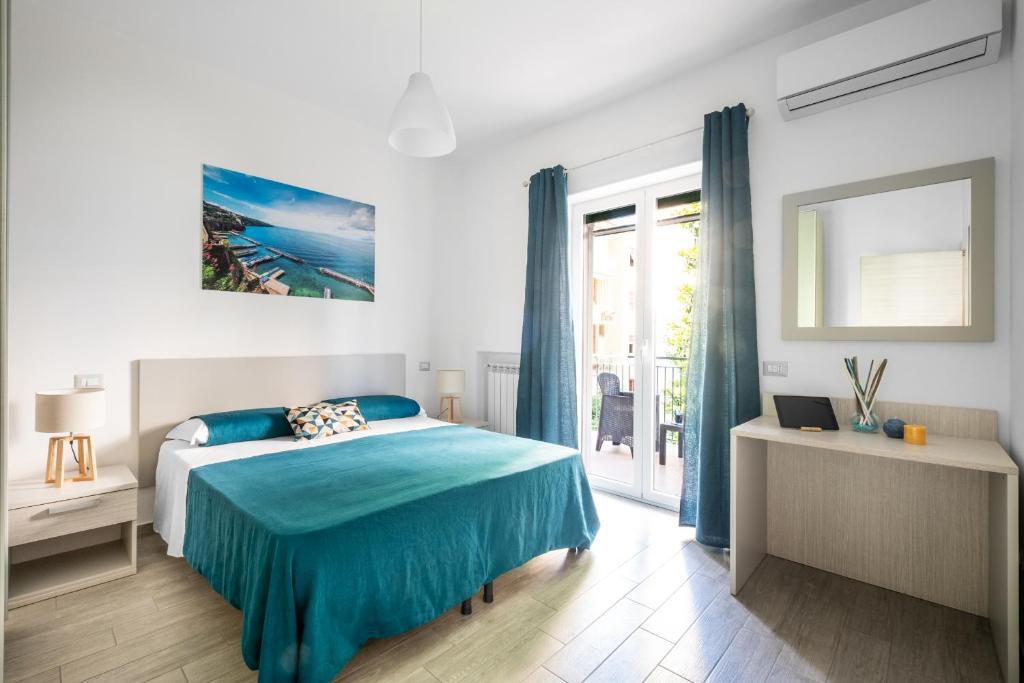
63, 540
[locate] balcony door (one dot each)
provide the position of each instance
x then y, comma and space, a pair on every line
636, 269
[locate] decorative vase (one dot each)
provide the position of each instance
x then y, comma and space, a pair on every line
865, 420
867, 425
678, 418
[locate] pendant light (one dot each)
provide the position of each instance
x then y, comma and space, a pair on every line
420, 124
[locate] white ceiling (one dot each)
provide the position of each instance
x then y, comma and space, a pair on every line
501, 67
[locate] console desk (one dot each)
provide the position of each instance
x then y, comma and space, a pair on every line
938, 522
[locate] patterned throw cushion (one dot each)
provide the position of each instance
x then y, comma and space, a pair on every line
326, 419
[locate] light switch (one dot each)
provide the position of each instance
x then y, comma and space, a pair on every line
424, 365
775, 368
88, 381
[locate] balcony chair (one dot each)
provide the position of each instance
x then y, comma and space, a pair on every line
616, 421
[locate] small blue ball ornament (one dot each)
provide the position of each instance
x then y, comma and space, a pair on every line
893, 428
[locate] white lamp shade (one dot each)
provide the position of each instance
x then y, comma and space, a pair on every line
451, 382
420, 124
70, 410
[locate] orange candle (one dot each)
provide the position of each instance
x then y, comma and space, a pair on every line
915, 434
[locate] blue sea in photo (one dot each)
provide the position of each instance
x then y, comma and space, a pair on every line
354, 258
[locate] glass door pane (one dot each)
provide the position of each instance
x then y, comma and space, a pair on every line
639, 270
612, 343
674, 235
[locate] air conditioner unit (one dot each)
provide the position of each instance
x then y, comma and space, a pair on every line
927, 41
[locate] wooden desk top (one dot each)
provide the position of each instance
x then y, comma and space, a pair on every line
970, 454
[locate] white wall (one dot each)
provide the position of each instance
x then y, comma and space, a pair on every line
953, 119
1017, 349
108, 139
1017, 358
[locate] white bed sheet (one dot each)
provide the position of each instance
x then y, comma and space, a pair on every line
177, 458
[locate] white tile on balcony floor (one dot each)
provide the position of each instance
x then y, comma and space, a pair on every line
616, 462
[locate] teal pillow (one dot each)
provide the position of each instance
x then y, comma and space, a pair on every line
246, 425
383, 407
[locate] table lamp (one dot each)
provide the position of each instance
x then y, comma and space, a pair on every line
451, 384
70, 411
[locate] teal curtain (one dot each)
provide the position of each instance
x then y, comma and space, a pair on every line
546, 402
722, 386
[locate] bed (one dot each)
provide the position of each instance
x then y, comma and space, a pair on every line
366, 535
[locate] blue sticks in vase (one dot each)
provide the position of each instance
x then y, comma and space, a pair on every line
864, 420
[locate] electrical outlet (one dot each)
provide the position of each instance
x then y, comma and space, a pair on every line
93, 381
775, 368
424, 365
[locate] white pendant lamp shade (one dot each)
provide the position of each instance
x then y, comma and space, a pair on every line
420, 124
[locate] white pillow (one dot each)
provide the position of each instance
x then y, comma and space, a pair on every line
192, 430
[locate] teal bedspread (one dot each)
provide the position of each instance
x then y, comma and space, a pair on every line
323, 548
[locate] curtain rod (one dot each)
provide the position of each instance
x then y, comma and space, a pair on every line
750, 112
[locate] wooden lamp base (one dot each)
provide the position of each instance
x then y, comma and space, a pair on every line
448, 406
55, 459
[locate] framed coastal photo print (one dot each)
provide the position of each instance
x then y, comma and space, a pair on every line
265, 237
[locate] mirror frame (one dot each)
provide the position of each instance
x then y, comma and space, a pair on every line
981, 173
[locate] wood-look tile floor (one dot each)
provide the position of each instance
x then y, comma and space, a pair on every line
645, 604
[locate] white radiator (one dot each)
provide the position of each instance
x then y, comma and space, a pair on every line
502, 388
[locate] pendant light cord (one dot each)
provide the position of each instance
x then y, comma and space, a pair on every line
421, 36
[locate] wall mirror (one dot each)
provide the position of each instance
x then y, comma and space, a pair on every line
908, 257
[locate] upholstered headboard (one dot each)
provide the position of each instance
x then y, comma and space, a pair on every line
173, 389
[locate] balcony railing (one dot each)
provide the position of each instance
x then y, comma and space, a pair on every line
669, 381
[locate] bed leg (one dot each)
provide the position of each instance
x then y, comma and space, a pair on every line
467, 606
489, 592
